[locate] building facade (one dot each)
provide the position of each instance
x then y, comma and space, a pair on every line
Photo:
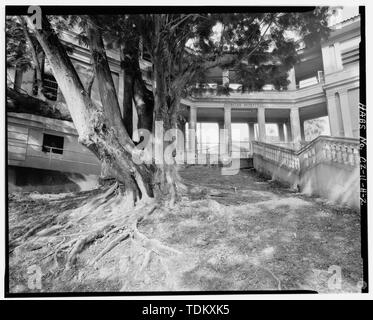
325, 83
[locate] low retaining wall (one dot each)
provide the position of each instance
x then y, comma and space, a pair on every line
335, 182
22, 179
276, 172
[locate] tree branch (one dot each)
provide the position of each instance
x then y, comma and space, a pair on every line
261, 37
35, 60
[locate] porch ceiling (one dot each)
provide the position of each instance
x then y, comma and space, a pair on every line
272, 115
276, 115
312, 112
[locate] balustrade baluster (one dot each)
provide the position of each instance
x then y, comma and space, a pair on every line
340, 153
334, 152
350, 159
307, 162
313, 155
326, 150
356, 157
345, 154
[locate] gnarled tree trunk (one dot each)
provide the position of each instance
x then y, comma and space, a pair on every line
99, 128
135, 91
165, 113
36, 62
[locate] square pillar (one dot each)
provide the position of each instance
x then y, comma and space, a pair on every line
192, 128
338, 56
281, 133
295, 125
289, 137
222, 143
251, 131
332, 59
262, 124
181, 127
302, 133
346, 114
335, 124
228, 127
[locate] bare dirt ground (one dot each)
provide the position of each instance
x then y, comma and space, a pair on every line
242, 233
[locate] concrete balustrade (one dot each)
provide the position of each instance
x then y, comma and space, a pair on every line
327, 167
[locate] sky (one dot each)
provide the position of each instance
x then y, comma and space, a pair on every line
349, 12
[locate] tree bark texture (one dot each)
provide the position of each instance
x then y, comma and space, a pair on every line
99, 128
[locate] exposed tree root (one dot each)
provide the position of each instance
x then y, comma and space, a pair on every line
110, 246
49, 231
152, 248
275, 277
56, 250
153, 245
270, 272
130, 231
110, 216
32, 231
81, 243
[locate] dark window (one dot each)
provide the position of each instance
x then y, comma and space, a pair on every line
50, 87
52, 143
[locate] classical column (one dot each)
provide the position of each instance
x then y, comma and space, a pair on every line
281, 133
251, 131
199, 140
288, 132
221, 147
192, 128
302, 133
228, 127
295, 125
335, 124
346, 114
261, 124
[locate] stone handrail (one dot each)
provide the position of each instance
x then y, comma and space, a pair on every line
283, 156
297, 93
344, 151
